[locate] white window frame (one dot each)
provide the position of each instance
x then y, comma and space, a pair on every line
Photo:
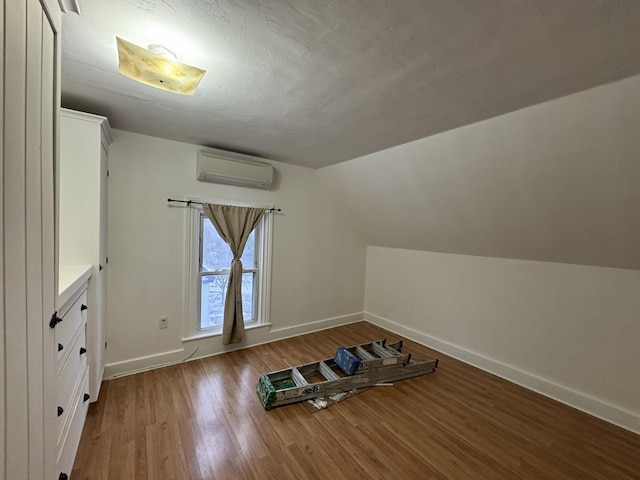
192, 272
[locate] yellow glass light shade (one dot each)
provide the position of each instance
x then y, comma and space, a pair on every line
156, 70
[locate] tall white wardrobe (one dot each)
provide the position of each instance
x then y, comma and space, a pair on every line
84, 153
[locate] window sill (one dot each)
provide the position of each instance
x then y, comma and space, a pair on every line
218, 333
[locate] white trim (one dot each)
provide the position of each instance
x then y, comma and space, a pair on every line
317, 325
140, 364
206, 347
190, 323
586, 403
93, 119
264, 282
218, 332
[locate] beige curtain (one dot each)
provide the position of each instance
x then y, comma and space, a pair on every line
234, 225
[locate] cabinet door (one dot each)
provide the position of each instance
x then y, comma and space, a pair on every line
95, 378
104, 198
28, 112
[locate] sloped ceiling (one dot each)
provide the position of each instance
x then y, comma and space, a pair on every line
314, 83
556, 182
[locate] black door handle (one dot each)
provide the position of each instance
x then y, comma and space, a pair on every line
55, 319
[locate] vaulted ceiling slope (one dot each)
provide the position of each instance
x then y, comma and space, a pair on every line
556, 182
314, 83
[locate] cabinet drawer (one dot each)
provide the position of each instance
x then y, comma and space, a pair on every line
68, 445
67, 329
67, 381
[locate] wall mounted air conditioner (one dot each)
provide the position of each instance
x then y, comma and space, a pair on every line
220, 168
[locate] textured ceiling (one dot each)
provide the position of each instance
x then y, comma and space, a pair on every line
314, 83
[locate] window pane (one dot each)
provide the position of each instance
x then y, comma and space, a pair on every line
212, 295
213, 291
248, 256
247, 297
216, 254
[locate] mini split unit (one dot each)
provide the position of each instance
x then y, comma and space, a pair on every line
222, 168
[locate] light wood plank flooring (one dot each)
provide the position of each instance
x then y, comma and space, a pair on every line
203, 420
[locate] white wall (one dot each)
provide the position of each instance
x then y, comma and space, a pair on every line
318, 258
568, 331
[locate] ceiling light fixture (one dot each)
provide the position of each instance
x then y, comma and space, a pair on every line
69, 6
157, 67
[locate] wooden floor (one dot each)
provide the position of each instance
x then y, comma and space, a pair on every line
203, 420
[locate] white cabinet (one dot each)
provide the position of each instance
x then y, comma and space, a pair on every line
71, 367
84, 147
29, 81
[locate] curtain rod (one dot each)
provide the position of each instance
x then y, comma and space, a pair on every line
192, 202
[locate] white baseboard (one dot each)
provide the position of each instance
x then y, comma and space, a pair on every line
140, 364
581, 401
316, 326
205, 347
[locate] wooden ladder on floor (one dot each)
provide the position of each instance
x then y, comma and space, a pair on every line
352, 368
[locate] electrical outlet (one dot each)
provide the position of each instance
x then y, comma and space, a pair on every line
162, 323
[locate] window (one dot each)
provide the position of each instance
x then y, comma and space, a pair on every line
214, 262
210, 261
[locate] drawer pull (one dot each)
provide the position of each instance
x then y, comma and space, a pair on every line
83, 350
60, 347
60, 410
83, 307
100, 267
86, 397
63, 476
55, 319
